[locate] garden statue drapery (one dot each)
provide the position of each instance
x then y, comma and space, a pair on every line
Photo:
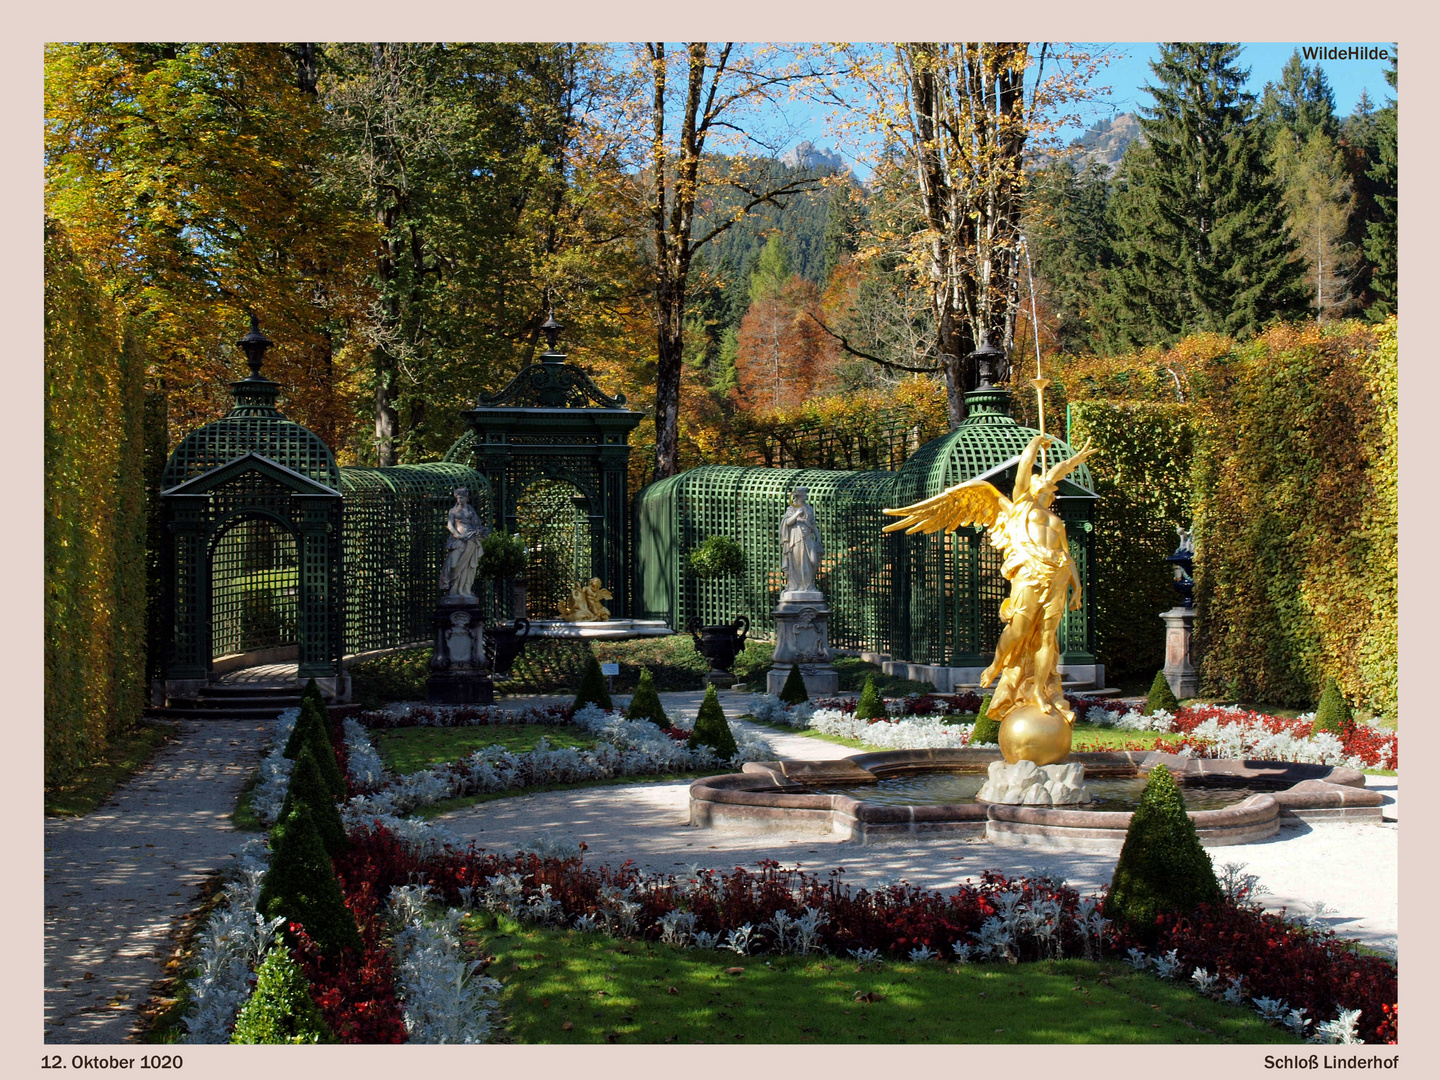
800, 547
463, 549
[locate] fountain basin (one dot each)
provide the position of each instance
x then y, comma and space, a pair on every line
781, 796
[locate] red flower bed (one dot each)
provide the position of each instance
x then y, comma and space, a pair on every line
1308, 968
356, 994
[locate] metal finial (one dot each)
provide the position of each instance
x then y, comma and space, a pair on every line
255, 343
552, 330
986, 356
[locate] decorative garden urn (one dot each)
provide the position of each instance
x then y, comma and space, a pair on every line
720, 645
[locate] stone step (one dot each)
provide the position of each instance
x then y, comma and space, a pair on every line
214, 712
219, 691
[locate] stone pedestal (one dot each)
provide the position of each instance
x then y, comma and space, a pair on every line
1027, 784
802, 637
1179, 667
459, 671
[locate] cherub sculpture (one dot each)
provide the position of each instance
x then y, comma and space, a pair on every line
1037, 564
585, 603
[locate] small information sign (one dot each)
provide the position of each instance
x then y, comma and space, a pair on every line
610, 669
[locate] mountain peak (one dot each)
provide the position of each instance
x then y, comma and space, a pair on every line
808, 156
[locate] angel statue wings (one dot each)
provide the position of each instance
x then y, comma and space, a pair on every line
1037, 564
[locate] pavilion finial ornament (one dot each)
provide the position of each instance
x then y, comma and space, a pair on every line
1035, 720
255, 343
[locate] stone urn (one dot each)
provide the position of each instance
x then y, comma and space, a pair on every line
720, 645
507, 643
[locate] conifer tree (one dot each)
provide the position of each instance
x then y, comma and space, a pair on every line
1162, 869
311, 730
1161, 696
307, 787
871, 704
645, 705
1333, 713
712, 729
301, 886
1382, 246
592, 687
794, 692
1202, 241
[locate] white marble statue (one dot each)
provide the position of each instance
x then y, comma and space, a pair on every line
463, 549
800, 547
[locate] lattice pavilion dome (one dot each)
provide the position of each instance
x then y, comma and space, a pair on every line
988, 438
253, 425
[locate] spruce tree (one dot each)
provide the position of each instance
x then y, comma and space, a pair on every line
712, 729
871, 704
1163, 869
1382, 246
592, 687
645, 704
794, 692
307, 786
301, 886
1202, 242
281, 1009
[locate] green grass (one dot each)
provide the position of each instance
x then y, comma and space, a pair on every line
407, 750
243, 817
611, 991
1086, 736
126, 754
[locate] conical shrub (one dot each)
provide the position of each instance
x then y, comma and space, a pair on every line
301, 886
645, 704
312, 693
1333, 713
794, 692
1163, 870
1161, 696
312, 730
712, 729
871, 704
281, 1009
592, 687
308, 787
986, 730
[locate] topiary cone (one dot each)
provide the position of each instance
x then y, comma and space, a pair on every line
794, 692
1163, 869
592, 687
712, 729
1333, 712
312, 693
301, 886
871, 704
308, 787
986, 730
1161, 696
645, 704
281, 1010
311, 730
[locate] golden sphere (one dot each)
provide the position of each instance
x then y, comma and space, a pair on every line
1029, 733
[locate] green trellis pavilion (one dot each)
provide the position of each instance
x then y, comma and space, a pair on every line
272, 553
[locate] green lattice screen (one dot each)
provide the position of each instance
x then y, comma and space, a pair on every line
932, 599
555, 529
255, 586
394, 538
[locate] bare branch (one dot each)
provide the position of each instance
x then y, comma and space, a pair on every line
845, 344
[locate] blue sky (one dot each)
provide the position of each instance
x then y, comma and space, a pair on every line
1129, 70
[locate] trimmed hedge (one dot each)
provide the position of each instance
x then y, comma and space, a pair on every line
95, 525
1161, 696
794, 692
281, 1010
712, 729
307, 788
986, 730
871, 704
1333, 713
592, 688
645, 704
301, 886
1297, 515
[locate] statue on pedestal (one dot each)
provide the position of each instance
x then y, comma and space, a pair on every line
800, 547
1041, 573
463, 549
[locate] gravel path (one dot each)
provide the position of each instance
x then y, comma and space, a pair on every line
116, 879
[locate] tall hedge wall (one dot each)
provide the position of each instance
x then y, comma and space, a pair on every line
1142, 475
94, 517
1296, 516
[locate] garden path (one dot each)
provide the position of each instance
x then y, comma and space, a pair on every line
1352, 867
117, 879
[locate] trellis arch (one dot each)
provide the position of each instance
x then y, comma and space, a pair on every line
551, 422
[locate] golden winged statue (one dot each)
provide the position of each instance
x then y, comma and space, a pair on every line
1037, 564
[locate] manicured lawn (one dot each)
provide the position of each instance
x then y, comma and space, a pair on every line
92, 785
407, 750
569, 987
1090, 737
